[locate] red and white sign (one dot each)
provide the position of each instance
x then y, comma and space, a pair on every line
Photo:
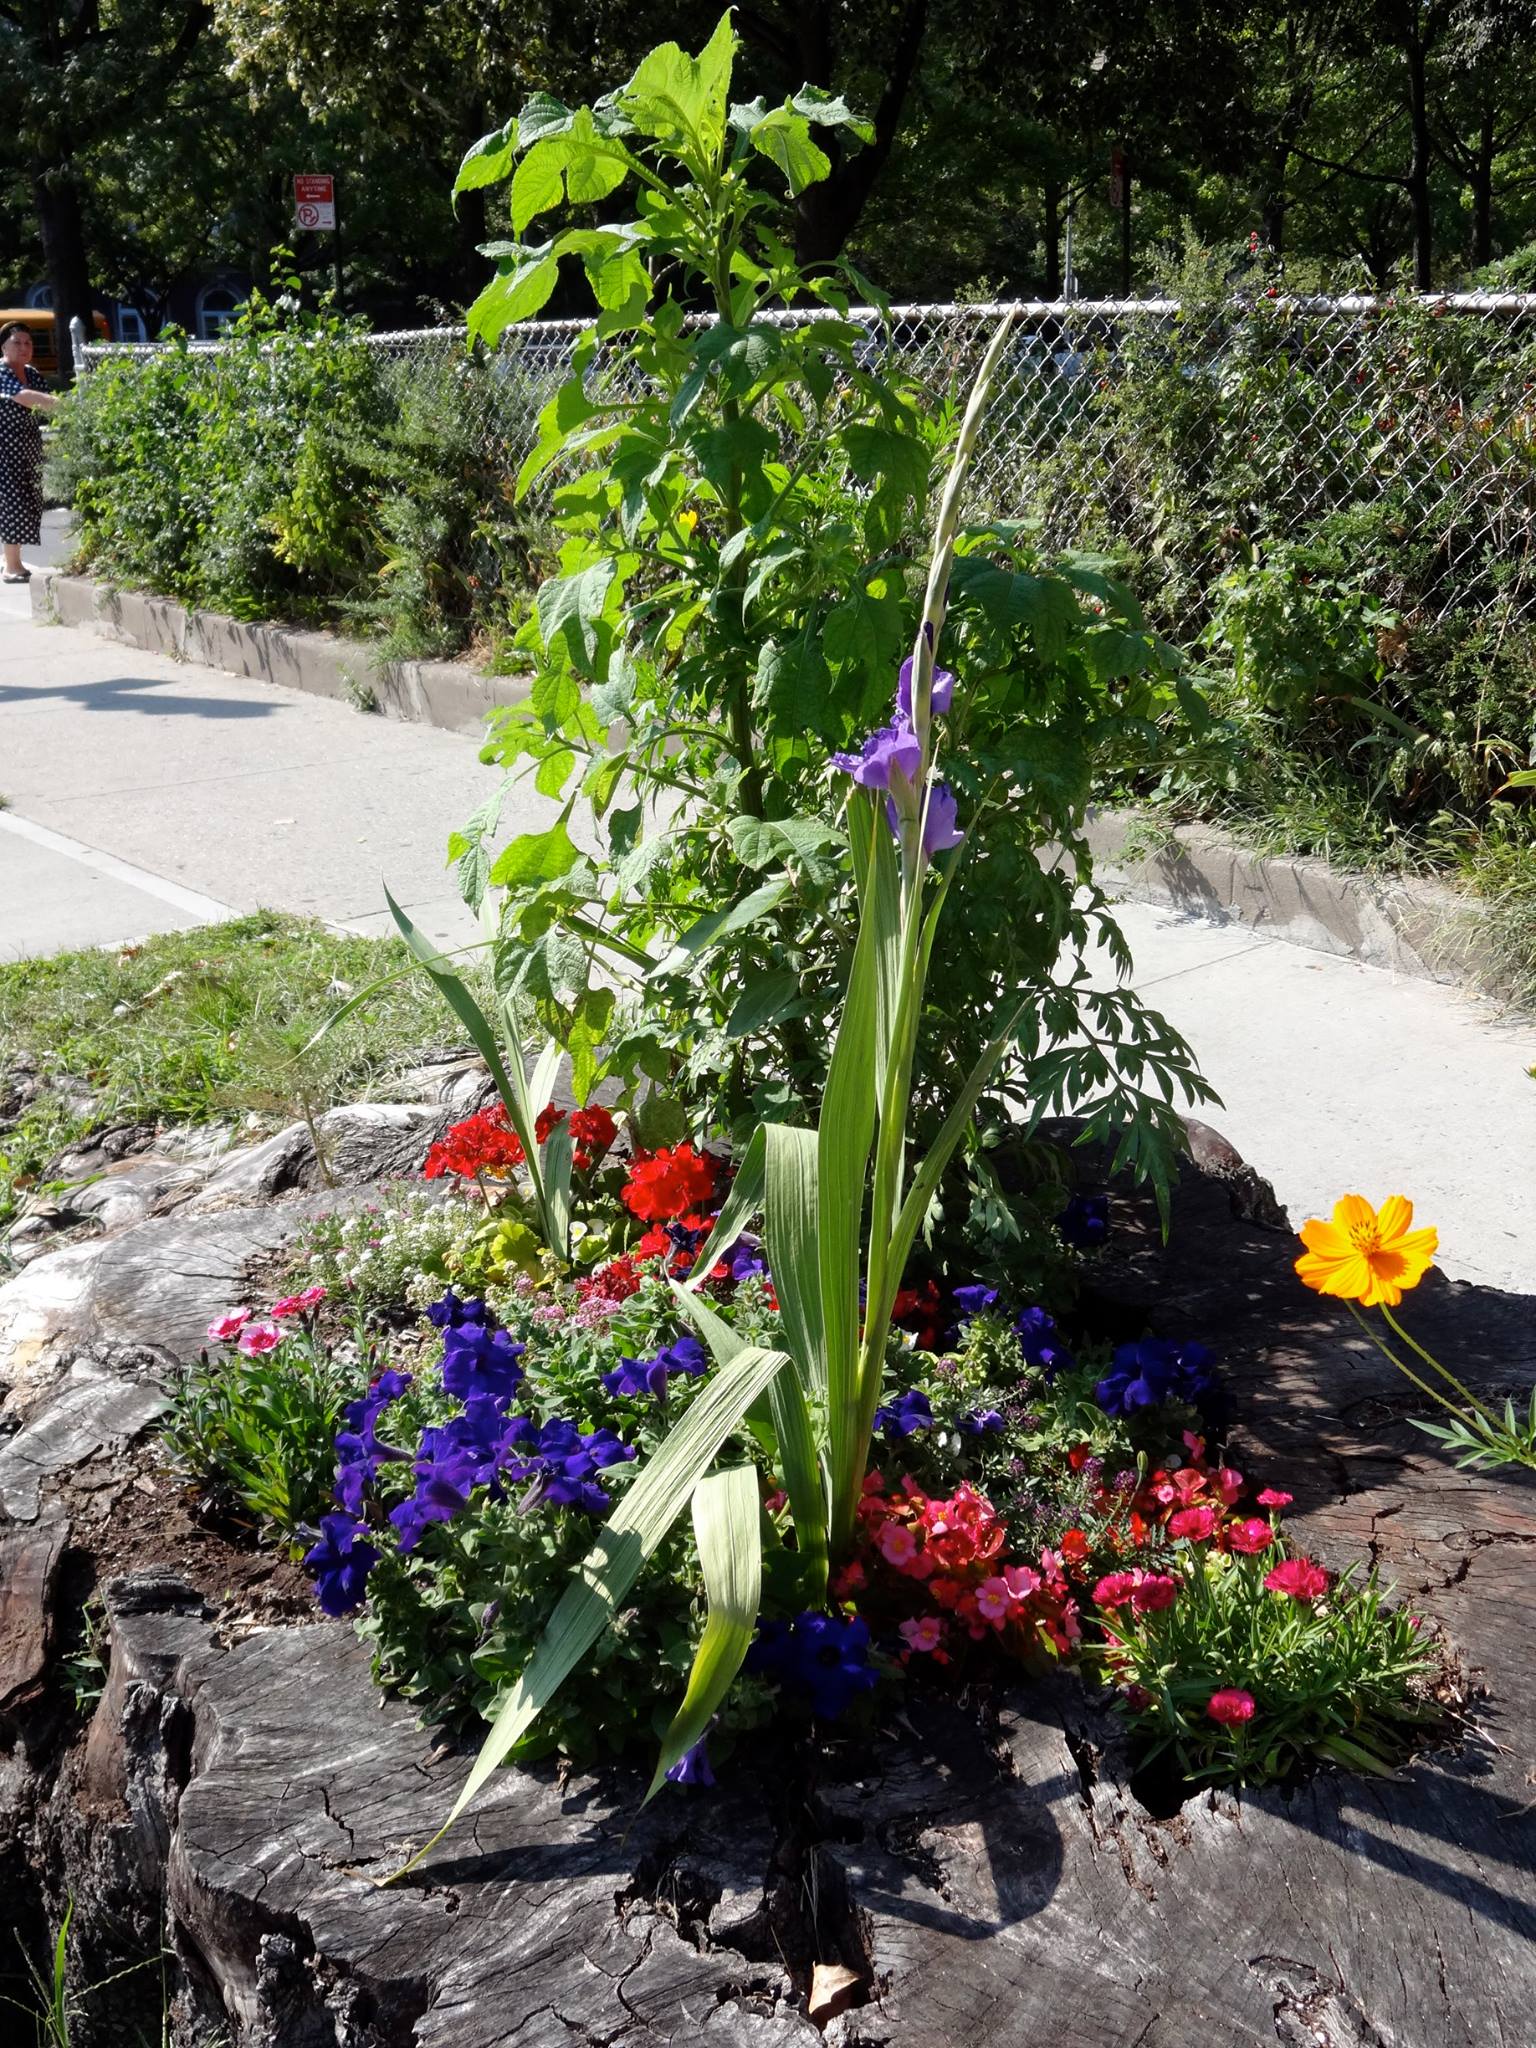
314, 200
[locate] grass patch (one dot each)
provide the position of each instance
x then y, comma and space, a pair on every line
191, 1027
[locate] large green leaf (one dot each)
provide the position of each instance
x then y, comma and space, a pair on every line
535, 857
451, 986
487, 161
681, 99
785, 138
716, 926
653, 1502
844, 1138
791, 1438
727, 1514
517, 293
791, 1209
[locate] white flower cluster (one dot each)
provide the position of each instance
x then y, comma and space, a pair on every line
404, 1248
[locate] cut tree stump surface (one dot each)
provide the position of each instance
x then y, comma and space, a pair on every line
986, 1867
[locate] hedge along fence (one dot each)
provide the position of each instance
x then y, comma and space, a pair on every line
1334, 497
1172, 434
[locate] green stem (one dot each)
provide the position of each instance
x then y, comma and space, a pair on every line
1406, 1370
1465, 1392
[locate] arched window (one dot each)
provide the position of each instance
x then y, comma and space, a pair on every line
40, 297
216, 307
130, 324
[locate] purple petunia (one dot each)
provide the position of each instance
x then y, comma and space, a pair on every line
453, 1310
1036, 1332
1145, 1375
340, 1563
641, 1376
1084, 1222
824, 1656
980, 1422
692, 1767
904, 1416
975, 1299
359, 1454
560, 1459
477, 1360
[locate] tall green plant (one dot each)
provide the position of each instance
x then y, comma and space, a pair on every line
740, 478
842, 1204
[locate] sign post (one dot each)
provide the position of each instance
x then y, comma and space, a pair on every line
315, 212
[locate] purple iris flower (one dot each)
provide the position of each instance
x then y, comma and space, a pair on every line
892, 750
692, 1767
640, 1376
940, 832
340, 1563
940, 700
825, 1656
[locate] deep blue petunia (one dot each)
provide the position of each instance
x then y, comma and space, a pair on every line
975, 1299
906, 1415
1036, 1332
1084, 1222
824, 1656
477, 1360
1146, 1374
454, 1310
692, 1767
340, 1563
641, 1376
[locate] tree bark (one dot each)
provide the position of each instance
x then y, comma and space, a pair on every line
826, 213
57, 196
1051, 233
1415, 56
1482, 192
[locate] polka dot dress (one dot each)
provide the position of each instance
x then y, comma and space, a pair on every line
21, 461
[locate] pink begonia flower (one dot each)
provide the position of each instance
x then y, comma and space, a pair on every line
228, 1325
1195, 1445
993, 1601
924, 1634
1154, 1591
260, 1337
1272, 1497
1229, 1484
1021, 1581
1298, 1578
1230, 1705
898, 1546
1192, 1525
1250, 1537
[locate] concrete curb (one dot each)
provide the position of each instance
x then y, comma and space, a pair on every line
440, 693
1406, 925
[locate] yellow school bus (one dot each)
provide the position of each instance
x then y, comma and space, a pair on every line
45, 354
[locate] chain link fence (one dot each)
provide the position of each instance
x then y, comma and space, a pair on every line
1178, 437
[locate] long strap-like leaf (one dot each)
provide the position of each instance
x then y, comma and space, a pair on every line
632, 1532
727, 1516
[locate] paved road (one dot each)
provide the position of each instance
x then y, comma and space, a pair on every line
148, 795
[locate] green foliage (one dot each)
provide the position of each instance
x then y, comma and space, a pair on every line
1337, 1678
300, 473
163, 1032
739, 503
258, 1433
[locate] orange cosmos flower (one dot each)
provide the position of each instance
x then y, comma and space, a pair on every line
1366, 1256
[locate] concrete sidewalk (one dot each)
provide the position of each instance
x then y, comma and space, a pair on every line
148, 795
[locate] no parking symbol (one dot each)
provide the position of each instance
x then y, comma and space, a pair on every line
314, 200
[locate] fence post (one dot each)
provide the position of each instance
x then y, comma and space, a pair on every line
77, 347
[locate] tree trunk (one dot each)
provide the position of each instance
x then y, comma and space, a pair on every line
1051, 233
1482, 193
826, 213
64, 256
1414, 55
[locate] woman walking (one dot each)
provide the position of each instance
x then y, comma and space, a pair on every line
23, 398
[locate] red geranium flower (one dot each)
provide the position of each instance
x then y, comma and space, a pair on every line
483, 1143
668, 1183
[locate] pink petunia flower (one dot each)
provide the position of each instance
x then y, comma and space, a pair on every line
228, 1325
924, 1634
1230, 1705
1154, 1591
1192, 1525
898, 1546
1298, 1578
1272, 1497
258, 1338
1250, 1537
